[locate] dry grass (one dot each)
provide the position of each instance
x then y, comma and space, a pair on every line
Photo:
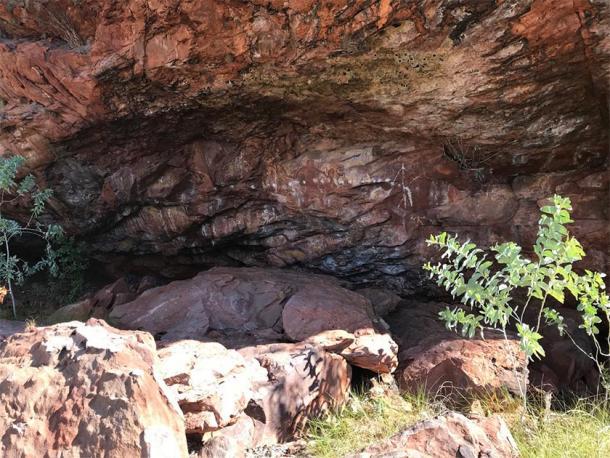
365, 420
30, 324
577, 429
56, 22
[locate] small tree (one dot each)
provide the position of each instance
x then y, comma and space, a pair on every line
488, 286
14, 270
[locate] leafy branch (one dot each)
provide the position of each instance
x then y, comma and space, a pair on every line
14, 270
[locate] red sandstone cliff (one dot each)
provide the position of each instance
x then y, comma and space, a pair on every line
330, 135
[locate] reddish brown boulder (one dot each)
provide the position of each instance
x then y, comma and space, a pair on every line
372, 351
299, 381
449, 436
314, 310
432, 357
365, 348
116, 293
334, 341
304, 382
212, 385
76, 389
171, 312
247, 300
476, 366
77, 311
383, 301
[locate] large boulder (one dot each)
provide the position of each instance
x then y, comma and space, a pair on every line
416, 321
433, 358
172, 312
246, 299
77, 311
313, 310
80, 389
475, 366
373, 351
212, 385
449, 436
263, 394
304, 382
300, 381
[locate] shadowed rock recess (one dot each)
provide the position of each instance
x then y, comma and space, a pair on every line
331, 136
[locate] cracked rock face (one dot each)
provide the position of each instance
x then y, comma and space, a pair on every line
212, 385
262, 394
76, 388
322, 135
305, 381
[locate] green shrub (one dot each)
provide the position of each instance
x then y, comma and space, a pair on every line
489, 286
14, 270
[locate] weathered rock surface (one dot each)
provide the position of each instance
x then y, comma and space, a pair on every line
96, 306
314, 310
172, 312
324, 135
10, 327
261, 395
416, 321
304, 382
77, 311
212, 385
373, 351
449, 436
232, 441
246, 299
76, 389
365, 348
434, 358
476, 366
383, 301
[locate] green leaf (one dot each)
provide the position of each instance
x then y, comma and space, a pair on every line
26, 185
8, 171
557, 294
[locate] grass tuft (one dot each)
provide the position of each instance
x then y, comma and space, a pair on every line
574, 429
578, 429
365, 420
